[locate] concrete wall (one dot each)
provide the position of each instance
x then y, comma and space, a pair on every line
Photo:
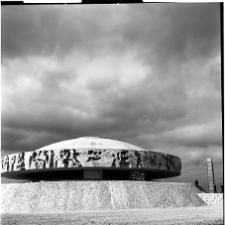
73, 158
67, 196
212, 199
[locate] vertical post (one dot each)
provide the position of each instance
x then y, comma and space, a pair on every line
210, 171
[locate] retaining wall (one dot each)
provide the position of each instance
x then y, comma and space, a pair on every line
212, 199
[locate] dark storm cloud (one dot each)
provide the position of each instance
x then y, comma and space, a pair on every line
23, 31
34, 30
174, 31
134, 107
202, 138
168, 31
189, 25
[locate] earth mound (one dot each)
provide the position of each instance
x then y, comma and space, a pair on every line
68, 196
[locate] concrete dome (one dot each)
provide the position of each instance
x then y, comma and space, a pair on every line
91, 143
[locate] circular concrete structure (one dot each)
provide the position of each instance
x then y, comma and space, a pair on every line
90, 158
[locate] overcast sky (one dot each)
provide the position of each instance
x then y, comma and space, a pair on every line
146, 74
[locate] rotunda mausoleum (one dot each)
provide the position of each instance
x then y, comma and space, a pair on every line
90, 158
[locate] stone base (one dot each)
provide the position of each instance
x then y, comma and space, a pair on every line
68, 196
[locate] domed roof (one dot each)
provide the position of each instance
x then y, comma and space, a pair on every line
91, 143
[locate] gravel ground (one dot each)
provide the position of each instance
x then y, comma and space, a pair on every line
154, 216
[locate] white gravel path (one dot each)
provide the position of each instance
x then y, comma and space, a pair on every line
155, 216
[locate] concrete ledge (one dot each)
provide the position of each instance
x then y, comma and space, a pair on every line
212, 199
